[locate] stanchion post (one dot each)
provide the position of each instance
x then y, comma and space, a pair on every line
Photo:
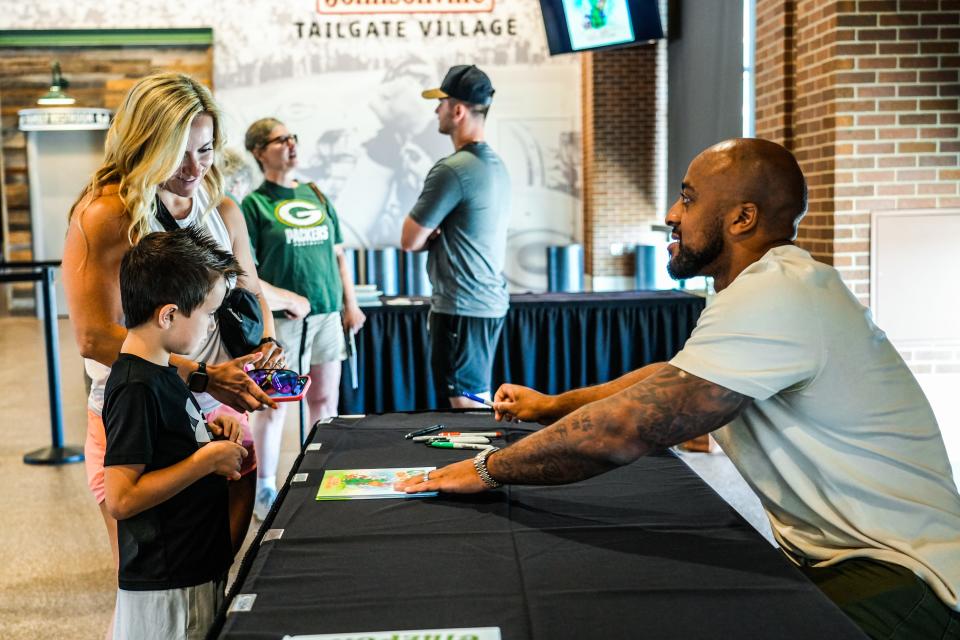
56, 453
52, 337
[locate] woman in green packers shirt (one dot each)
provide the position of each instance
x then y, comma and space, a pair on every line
296, 240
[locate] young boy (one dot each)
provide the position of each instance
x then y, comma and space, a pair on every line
166, 481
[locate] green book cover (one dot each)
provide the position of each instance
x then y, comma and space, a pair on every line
353, 484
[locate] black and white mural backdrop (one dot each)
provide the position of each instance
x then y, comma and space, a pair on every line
346, 76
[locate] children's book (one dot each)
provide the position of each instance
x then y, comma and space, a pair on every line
353, 484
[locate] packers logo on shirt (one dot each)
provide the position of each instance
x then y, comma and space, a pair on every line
299, 213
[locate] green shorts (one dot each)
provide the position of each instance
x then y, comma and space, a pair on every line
886, 600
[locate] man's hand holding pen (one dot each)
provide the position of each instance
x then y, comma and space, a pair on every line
515, 403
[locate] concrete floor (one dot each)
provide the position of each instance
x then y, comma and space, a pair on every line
58, 580
717, 470
57, 576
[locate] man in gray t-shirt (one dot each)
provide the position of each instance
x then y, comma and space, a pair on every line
461, 219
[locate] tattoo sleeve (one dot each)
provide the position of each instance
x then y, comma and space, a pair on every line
664, 409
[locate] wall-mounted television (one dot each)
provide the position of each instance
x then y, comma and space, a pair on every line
578, 25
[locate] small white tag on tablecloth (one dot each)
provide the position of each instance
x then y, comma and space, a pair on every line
300, 477
471, 633
243, 602
314, 446
272, 534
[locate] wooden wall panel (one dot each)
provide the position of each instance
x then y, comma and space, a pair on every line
98, 77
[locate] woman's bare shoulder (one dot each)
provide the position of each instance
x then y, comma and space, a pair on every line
101, 216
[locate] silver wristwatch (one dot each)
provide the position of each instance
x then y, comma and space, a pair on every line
480, 464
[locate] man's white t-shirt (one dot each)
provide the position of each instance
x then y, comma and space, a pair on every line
840, 443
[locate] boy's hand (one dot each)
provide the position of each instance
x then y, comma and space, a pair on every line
222, 457
226, 427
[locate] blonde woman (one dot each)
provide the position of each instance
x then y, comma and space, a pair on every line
159, 155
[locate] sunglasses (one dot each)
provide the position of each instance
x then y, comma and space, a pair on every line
284, 381
290, 137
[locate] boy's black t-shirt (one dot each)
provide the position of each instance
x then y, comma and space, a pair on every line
151, 418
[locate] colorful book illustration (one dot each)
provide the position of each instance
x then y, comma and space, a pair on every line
473, 633
353, 484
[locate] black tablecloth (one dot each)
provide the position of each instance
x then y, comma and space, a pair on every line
551, 342
646, 551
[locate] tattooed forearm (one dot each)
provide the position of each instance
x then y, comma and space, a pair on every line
675, 406
555, 455
570, 401
664, 409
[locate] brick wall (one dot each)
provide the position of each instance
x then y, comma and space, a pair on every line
624, 150
774, 69
98, 78
815, 121
931, 357
869, 105
899, 119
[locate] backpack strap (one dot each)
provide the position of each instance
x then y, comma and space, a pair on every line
165, 217
322, 198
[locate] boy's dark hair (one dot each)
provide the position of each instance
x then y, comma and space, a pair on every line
172, 267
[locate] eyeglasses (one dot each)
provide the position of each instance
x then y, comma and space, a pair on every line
290, 137
285, 381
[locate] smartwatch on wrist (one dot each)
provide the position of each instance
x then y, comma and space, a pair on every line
198, 380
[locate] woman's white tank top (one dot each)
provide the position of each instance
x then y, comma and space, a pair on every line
212, 350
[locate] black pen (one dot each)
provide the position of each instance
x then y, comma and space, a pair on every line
422, 432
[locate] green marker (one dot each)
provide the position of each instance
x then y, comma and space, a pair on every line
459, 445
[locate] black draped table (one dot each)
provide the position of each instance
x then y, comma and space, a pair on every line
552, 342
647, 551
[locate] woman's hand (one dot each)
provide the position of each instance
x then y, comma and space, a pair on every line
272, 355
229, 383
296, 307
353, 318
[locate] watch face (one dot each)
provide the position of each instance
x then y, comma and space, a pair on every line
197, 382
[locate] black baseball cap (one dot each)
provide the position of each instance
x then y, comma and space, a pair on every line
464, 82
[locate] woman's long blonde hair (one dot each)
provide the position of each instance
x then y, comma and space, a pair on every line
146, 143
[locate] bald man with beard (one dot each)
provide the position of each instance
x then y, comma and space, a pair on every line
802, 391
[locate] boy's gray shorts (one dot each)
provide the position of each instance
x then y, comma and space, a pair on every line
170, 613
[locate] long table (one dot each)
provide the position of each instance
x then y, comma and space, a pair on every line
645, 551
552, 342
